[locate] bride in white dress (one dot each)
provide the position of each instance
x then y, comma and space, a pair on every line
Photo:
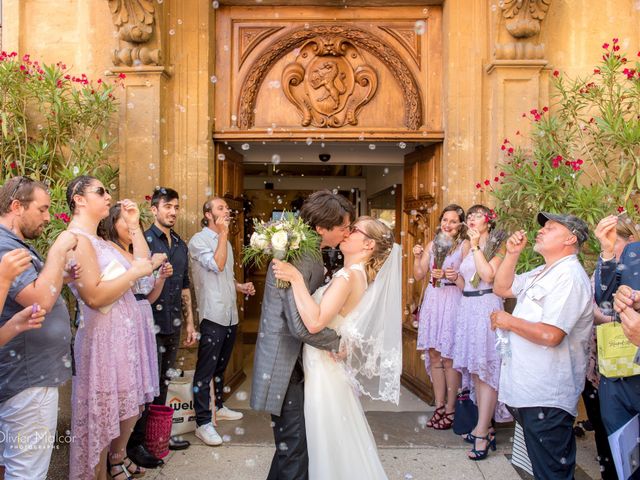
362, 302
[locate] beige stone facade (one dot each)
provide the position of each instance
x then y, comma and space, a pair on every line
202, 76
489, 77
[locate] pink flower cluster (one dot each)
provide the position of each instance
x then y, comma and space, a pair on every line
63, 216
559, 160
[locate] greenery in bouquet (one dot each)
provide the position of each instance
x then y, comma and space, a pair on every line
442, 244
287, 239
54, 126
582, 157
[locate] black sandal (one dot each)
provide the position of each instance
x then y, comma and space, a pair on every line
138, 472
482, 454
123, 471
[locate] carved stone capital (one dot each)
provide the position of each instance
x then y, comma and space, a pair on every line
523, 22
135, 22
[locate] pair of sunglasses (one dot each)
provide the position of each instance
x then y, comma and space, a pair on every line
353, 228
99, 190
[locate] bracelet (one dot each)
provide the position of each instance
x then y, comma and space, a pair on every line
607, 259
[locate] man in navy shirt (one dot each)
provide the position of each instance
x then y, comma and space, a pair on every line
172, 306
36, 362
619, 397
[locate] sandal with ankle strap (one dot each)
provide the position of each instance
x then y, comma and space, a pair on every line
470, 438
445, 422
138, 472
482, 454
122, 471
435, 418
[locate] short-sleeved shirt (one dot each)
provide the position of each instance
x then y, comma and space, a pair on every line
539, 376
215, 290
36, 358
167, 310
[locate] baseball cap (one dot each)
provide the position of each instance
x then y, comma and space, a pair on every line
576, 225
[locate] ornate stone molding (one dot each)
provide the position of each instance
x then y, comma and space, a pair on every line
358, 38
329, 82
135, 22
523, 21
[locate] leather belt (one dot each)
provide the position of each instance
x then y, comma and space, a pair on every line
476, 293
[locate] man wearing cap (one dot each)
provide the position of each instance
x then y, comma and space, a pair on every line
542, 378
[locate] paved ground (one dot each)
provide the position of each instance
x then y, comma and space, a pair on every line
409, 451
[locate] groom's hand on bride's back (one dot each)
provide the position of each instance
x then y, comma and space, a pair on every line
341, 354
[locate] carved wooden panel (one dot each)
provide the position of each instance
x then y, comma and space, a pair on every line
329, 82
419, 217
228, 183
287, 73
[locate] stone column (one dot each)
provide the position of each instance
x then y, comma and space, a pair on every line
518, 76
140, 141
138, 58
465, 52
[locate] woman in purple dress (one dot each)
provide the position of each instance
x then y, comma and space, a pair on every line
475, 352
108, 387
436, 327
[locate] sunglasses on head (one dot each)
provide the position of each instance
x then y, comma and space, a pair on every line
21, 182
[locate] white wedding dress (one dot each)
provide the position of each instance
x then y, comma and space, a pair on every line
339, 440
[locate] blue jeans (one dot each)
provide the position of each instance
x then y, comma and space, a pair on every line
619, 403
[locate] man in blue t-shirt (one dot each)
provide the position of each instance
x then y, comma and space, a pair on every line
34, 363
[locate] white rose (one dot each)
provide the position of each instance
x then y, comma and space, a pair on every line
279, 240
258, 241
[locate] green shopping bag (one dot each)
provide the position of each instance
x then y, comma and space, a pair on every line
615, 352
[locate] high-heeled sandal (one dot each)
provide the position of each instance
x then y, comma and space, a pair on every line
435, 418
123, 471
138, 472
445, 422
469, 437
482, 454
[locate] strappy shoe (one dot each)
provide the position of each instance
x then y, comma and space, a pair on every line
435, 418
470, 438
121, 471
482, 454
138, 472
445, 422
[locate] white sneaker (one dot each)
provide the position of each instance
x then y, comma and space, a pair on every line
207, 433
225, 413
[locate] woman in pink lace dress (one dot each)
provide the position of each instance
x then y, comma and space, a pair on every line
109, 386
436, 322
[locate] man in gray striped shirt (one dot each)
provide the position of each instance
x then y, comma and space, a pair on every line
215, 287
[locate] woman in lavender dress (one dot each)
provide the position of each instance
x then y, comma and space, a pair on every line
436, 327
146, 289
475, 352
108, 389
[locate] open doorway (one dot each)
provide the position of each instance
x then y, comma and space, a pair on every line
279, 177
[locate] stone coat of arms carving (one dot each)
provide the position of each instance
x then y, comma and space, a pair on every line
329, 82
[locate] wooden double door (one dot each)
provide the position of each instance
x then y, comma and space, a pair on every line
417, 217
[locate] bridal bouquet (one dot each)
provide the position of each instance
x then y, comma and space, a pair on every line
494, 243
441, 246
287, 239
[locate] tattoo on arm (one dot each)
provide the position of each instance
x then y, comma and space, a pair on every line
186, 304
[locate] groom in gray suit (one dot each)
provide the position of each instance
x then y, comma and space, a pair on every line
277, 385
